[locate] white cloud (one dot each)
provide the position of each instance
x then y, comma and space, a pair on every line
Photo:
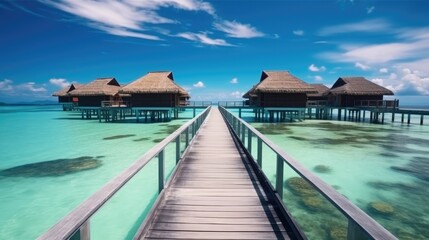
361, 66
128, 17
318, 78
313, 68
298, 32
370, 9
6, 85
384, 70
370, 26
31, 87
409, 49
234, 80
199, 84
237, 30
24, 89
237, 94
405, 82
203, 38
60, 82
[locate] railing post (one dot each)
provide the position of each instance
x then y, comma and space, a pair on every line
238, 129
187, 137
259, 159
354, 232
279, 176
178, 149
161, 171
249, 140
83, 233
194, 129
243, 133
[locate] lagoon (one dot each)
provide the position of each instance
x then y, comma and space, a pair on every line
385, 164
51, 161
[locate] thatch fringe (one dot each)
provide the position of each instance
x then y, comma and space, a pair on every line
155, 82
98, 87
357, 86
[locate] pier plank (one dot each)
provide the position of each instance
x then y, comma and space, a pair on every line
215, 194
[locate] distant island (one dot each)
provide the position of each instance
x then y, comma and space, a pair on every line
47, 102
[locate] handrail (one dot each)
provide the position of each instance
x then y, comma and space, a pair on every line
351, 211
76, 219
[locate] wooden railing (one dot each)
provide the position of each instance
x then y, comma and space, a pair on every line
378, 103
233, 103
198, 103
114, 104
76, 224
360, 225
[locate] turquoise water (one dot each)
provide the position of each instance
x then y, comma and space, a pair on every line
368, 163
50, 161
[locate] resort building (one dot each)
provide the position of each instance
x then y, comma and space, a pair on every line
156, 89
279, 89
96, 92
320, 97
63, 94
352, 91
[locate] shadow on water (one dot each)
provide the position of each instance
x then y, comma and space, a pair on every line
54, 168
417, 167
141, 139
119, 136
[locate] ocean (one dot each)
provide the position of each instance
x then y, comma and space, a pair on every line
51, 161
381, 168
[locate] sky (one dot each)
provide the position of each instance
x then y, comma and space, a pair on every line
215, 49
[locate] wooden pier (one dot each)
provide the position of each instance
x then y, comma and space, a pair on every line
216, 194
355, 114
217, 190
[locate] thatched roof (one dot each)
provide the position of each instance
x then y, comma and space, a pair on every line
320, 88
280, 82
154, 82
250, 93
64, 92
98, 87
357, 86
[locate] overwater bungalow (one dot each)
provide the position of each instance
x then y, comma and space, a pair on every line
320, 97
279, 89
353, 91
96, 92
63, 94
156, 89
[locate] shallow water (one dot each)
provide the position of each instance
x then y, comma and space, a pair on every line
368, 163
50, 161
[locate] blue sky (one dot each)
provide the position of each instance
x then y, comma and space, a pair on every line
216, 49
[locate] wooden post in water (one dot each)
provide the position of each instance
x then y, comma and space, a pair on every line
382, 117
409, 118
239, 112
402, 118
363, 118
393, 116
421, 119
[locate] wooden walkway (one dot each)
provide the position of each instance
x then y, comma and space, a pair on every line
215, 194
